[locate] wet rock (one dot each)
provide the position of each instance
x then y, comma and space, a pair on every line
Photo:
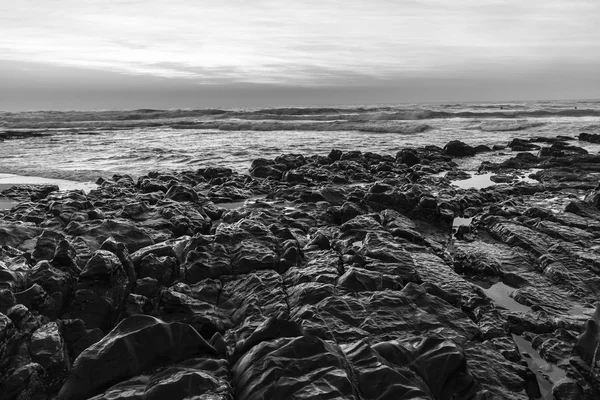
77, 337
568, 389
122, 231
249, 256
456, 148
23, 319
500, 377
313, 369
101, 291
409, 157
259, 294
100, 365
24, 382
362, 280
588, 343
181, 192
17, 234
48, 349
440, 363
163, 269
194, 378
380, 315
203, 316
589, 137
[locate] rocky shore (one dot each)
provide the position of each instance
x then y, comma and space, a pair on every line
351, 276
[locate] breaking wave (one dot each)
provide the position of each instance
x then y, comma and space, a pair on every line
508, 126
336, 126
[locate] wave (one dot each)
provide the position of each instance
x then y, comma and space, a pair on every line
311, 126
44, 122
508, 126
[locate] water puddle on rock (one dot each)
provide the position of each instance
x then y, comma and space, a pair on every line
580, 310
547, 374
458, 222
7, 204
238, 204
499, 293
524, 177
475, 181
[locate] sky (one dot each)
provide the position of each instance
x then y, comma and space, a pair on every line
126, 54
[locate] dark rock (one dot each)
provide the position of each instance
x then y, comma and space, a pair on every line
100, 365
588, 342
317, 369
122, 231
48, 349
409, 157
456, 148
101, 291
440, 363
589, 137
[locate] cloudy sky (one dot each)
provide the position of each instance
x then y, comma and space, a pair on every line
111, 54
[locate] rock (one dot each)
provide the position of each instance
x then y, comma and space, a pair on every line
456, 148
299, 368
335, 155
77, 337
25, 382
589, 137
378, 378
568, 389
409, 157
101, 364
440, 363
588, 343
17, 234
195, 378
101, 291
48, 349
180, 192
46, 245
122, 231
163, 269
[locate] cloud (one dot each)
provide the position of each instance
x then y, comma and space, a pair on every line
307, 44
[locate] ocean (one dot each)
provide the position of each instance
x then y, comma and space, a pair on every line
82, 146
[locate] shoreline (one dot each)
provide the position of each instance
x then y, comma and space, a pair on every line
9, 180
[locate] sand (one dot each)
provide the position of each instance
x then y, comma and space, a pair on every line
9, 180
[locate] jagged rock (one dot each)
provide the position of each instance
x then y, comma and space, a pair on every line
46, 245
568, 389
205, 317
17, 234
101, 364
48, 349
588, 343
101, 291
25, 382
300, 368
181, 192
409, 157
163, 269
380, 315
77, 337
195, 378
440, 363
122, 231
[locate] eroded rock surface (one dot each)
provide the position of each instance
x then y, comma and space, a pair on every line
352, 275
